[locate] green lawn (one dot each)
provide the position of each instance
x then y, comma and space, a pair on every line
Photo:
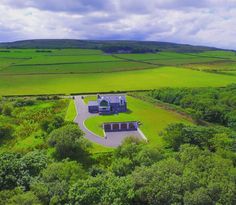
153, 119
103, 82
90, 98
71, 111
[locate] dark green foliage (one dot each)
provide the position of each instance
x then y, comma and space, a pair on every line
48, 97
17, 170
211, 138
69, 142
1, 109
193, 177
54, 182
133, 153
98, 44
24, 198
43, 51
24, 102
215, 105
7, 110
127, 49
102, 189
5, 195
49, 125
18, 197
6, 131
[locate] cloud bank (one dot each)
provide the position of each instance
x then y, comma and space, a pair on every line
202, 22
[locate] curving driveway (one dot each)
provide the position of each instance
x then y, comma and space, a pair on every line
113, 139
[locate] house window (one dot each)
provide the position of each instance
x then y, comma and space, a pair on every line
104, 103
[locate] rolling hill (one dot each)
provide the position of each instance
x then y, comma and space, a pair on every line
107, 45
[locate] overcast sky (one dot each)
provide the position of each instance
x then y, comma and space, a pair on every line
198, 22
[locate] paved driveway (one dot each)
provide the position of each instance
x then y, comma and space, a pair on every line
112, 139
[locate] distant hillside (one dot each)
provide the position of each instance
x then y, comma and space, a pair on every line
109, 46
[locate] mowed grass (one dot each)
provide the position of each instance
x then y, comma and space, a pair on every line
106, 82
89, 98
71, 111
153, 119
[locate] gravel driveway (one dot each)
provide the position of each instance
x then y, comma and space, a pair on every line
112, 139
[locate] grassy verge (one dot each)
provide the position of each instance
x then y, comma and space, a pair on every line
89, 98
71, 111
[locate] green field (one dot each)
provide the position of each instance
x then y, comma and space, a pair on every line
153, 119
218, 66
66, 71
105, 82
88, 67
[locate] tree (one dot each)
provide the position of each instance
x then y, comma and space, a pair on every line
7, 110
121, 166
17, 170
1, 109
102, 189
193, 176
159, 184
211, 138
69, 142
6, 131
133, 153
25, 198
48, 125
54, 182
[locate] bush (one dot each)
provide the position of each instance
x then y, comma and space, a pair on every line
53, 185
1, 109
48, 125
7, 110
6, 131
69, 142
17, 170
211, 138
24, 102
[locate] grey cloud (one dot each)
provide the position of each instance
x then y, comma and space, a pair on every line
62, 5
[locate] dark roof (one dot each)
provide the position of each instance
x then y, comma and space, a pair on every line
92, 103
121, 122
113, 98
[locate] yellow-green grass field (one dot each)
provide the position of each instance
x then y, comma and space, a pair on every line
153, 119
219, 66
106, 82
